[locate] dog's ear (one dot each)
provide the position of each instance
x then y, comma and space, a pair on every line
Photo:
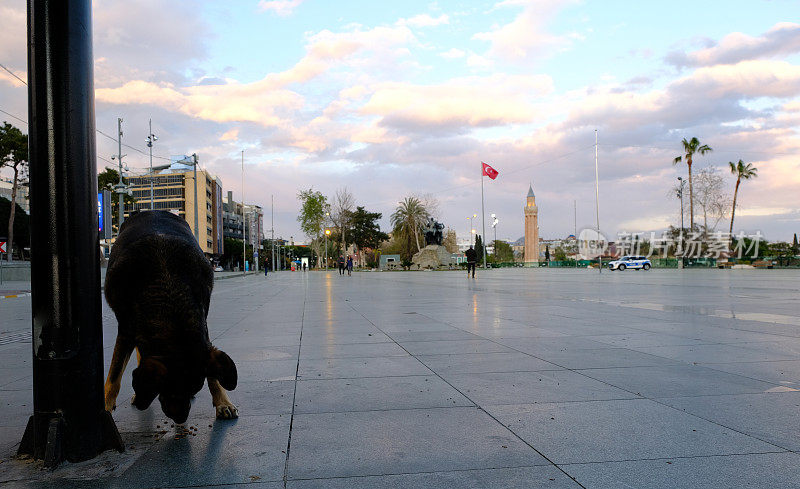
148, 378
222, 368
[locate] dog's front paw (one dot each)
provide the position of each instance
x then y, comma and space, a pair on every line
227, 410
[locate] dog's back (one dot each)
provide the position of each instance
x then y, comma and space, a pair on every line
159, 281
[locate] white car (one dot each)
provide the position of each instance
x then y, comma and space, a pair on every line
634, 262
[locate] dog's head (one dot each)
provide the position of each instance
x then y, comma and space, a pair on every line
175, 381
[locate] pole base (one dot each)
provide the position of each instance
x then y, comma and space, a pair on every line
49, 437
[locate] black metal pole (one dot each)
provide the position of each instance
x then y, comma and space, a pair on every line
69, 420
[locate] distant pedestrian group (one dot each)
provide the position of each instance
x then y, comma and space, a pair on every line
345, 265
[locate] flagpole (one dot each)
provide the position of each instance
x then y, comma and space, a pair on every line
597, 203
483, 220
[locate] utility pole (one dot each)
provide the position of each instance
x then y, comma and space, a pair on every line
120, 186
196, 227
244, 224
680, 195
151, 138
69, 420
575, 235
597, 202
272, 231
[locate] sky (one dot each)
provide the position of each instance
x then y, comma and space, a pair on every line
409, 97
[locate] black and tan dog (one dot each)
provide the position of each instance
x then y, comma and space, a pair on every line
159, 286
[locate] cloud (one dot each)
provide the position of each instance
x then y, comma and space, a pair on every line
13, 36
424, 20
283, 8
459, 103
707, 95
526, 36
147, 40
232, 135
257, 102
453, 53
781, 40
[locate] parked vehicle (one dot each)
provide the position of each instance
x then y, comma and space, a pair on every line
634, 262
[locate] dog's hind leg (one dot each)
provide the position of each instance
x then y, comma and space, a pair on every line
119, 360
223, 405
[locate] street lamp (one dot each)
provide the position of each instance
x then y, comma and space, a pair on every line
471, 228
680, 196
494, 226
327, 233
150, 139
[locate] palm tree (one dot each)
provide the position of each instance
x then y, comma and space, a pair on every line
408, 219
690, 148
743, 171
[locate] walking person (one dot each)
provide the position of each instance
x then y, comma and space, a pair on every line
472, 259
349, 266
305, 266
341, 265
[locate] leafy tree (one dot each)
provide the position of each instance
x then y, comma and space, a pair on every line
407, 221
795, 246
691, 147
478, 246
21, 223
13, 154
503, 251
547, 253
559, 254
366, 232
106, 181
314, 209
743, 171
782, 251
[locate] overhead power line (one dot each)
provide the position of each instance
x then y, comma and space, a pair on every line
13, 74
99, 132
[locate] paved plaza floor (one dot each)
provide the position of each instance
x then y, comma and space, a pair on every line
553, 378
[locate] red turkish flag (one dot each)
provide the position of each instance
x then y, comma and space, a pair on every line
489, 171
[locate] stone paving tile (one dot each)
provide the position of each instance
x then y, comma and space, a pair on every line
548, 477
397, 442
313, 338
230, 452
454, 346
757, 471
447, 335
604, 358
531, 387
267, 370
371, 394
16, 406
714, 353
348, 368
677, 380
351, 350
747, 412
241, 352
783, 372
638, 339
630, 429
485, 362
547, 345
